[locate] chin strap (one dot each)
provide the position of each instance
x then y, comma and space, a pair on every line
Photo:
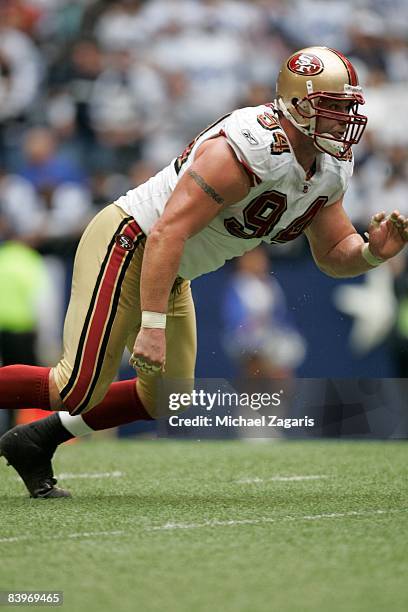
333, 147
308, 131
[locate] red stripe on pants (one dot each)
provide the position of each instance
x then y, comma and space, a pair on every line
99, 318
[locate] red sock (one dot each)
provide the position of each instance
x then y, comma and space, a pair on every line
23, 386
120, 405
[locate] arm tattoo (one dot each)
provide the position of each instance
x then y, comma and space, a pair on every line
208, 190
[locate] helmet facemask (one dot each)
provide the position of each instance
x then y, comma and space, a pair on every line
306, 115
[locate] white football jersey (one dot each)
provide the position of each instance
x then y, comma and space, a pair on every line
280, 205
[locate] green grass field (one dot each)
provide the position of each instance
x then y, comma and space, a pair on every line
179, 526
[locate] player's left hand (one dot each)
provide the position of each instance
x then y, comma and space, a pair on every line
387, 234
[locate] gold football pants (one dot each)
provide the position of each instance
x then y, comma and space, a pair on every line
104, 317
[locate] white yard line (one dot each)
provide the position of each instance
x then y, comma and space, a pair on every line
210, 523
92, 534
118, 474
14, 539
72, 476
265, 519
279, 479
85, 475
84, 534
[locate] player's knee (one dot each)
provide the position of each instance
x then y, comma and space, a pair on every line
76, 401
81, 407
68, 405
54, 394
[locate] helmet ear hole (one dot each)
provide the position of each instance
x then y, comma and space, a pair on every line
294, 101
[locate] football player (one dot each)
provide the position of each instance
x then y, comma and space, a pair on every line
262, 174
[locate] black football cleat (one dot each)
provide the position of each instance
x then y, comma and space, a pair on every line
22, 448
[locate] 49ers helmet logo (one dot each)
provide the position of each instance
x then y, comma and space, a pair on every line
305, 64
125, 242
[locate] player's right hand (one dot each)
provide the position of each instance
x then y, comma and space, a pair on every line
149, 351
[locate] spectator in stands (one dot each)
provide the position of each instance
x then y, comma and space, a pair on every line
259, 334
20, 76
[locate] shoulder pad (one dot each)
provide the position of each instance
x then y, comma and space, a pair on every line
258, 140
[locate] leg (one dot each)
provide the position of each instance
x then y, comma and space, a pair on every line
133, 400
122, 404
100, 317
103, 310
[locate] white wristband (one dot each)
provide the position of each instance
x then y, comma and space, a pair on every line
369, 257
153, 320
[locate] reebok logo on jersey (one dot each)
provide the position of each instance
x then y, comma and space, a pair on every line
124, 242
251, 139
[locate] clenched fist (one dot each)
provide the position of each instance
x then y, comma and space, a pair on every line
149, 351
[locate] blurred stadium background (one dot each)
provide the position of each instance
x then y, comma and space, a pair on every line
96, 96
